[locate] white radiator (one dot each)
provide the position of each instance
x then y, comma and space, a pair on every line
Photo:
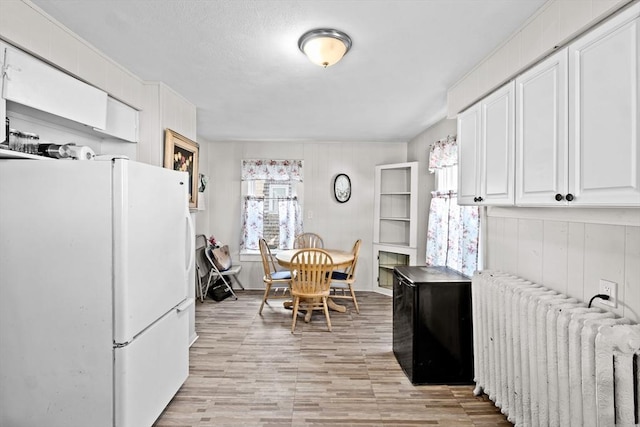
547, 360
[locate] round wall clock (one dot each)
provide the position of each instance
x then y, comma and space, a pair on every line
342, 188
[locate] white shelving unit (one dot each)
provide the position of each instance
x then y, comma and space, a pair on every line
395, 223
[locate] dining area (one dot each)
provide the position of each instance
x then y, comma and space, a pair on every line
310, 278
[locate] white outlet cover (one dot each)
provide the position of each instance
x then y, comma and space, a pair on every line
609, 288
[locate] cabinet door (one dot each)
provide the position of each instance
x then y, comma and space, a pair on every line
468, 149
31, 82
122, 121
385, 259
604, 71
498, 143
541, 133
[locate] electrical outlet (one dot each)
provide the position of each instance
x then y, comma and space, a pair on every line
611, 289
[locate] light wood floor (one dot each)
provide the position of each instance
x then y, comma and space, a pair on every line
249, 370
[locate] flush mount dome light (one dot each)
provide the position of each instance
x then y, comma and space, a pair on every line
324, 46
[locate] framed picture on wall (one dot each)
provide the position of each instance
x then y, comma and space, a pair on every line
181, 154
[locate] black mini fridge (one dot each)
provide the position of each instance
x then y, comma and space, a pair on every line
432, 331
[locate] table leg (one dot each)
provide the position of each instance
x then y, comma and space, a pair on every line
335, 307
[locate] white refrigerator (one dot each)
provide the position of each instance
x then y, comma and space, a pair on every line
94, 258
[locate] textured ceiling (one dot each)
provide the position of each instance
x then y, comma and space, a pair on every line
238, 60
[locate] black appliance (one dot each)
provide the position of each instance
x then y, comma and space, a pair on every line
432, 331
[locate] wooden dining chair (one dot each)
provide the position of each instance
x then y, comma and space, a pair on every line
310, 276
274, 280
308, 240
342, 281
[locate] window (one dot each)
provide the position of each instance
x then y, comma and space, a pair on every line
271, 208
453, 231
276, 191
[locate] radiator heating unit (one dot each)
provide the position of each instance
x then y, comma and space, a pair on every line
548, 360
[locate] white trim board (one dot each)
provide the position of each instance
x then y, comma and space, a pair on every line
611, 216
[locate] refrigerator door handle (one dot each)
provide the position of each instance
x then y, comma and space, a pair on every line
192, 243
184, 305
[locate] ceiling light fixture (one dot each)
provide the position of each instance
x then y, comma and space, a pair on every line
324, 46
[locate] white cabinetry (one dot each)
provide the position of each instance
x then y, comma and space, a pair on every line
31, 82
486, 150
578, 124
468, 161
122, 121
604, 124
541, 133
396, 205
396, 219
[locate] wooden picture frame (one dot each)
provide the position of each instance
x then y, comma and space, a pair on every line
181, 154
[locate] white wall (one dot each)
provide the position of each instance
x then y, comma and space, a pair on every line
570, 250
339, 224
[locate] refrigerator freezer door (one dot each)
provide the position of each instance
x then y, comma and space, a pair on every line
151, 245
150, 370
56, 337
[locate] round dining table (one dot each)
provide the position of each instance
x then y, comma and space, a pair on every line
341, 260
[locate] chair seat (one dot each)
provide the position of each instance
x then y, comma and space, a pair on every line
281, 275
339, 285
234, 269
339, 275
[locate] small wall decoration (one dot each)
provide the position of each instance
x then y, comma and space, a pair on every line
181, 154
342, 188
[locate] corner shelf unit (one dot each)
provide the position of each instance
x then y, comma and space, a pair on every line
396, 204
395, 222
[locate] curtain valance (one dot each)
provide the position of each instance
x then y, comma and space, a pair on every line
275, 170
443, 153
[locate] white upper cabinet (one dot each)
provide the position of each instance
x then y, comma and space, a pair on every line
604, 123
486, 150
31, 82
541, 133
122, 121
468, 147
577, 125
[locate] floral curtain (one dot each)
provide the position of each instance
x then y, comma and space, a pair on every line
252, 222
438, 228
277, 170
453, 231
452, 235
290, 221
443, 153
464, 227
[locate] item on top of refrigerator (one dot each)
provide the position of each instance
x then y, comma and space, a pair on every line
15, 140
66, 151
54, 150
30, 142
81, 152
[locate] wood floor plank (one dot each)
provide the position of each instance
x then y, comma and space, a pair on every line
249, 370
